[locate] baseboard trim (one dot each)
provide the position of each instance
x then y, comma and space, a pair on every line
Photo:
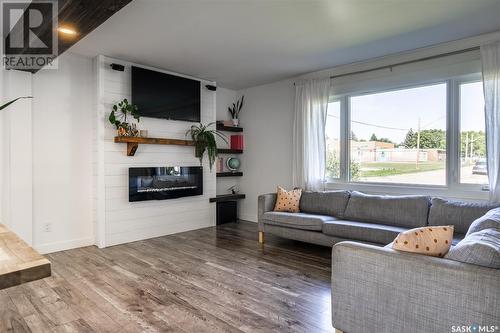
64, 245
248, 217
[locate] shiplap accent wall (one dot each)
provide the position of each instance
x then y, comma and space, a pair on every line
117, 220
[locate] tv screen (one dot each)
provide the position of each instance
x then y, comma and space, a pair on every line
160, 95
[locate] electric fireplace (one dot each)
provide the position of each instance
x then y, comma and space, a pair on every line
161, 183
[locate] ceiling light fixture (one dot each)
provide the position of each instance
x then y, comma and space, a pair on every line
67, 31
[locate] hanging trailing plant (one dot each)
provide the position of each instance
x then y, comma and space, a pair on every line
204, 139
3, 106
118, 117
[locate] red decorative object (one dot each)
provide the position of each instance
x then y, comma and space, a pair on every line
237, 142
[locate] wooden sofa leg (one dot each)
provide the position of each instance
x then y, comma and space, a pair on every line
338, 331
261, 237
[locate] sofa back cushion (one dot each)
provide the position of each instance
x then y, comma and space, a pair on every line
404, 211
490, 220
479, 248
461, 214
332, 203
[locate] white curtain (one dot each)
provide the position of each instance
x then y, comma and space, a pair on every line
490, 58
311, 103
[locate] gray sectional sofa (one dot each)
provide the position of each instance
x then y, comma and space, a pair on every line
378, 289
327, 218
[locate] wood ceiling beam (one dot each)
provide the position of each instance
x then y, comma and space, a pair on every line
81, 15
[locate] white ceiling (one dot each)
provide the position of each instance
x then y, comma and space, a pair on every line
243, 43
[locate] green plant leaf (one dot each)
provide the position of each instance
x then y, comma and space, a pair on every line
112, 118
204, 140
13, 101
121, 110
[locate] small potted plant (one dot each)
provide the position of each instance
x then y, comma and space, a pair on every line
204, 139
118, 118
234, 111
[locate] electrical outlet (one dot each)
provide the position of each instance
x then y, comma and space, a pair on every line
47, 227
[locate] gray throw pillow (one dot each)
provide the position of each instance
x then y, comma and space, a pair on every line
479, 248
489, 220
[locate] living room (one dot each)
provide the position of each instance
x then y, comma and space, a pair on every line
250, 166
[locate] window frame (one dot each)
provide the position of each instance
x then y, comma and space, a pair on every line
341, 167
452, 187
472, 78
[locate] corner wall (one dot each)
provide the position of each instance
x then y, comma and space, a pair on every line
16, 160
46, 161
268, 121
63, 111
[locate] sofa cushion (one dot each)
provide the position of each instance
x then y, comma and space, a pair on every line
479, 248
287, 201
431, 241
458, 213
456, 239
332, 203
363, 231
302, 221
403, 211
490, 220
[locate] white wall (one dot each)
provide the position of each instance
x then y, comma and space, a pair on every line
117, 220
16, 134
46, 155
225, 98
3, 128
62, 155
267, 162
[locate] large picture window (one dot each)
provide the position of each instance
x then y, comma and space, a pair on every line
430, 135
399, 136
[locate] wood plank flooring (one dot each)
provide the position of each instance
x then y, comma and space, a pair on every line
210, 280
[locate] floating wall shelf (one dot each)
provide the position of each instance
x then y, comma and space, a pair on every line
227, 197
133, 142
229, 151
230, 174
221, 127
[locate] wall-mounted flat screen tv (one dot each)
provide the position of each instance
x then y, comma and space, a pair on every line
161, 95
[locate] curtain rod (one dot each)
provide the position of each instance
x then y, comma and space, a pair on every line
475, 48
407, 62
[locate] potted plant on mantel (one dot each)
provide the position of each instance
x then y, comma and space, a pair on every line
205, 140
234, 111
118, 118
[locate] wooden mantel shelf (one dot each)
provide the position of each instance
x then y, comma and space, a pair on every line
133, 142
19, 262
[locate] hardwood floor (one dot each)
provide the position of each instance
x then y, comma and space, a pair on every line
209, 280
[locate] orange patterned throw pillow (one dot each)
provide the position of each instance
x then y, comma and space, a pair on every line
288, 201
432, 241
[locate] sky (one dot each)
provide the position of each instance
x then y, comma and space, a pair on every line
391, 114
